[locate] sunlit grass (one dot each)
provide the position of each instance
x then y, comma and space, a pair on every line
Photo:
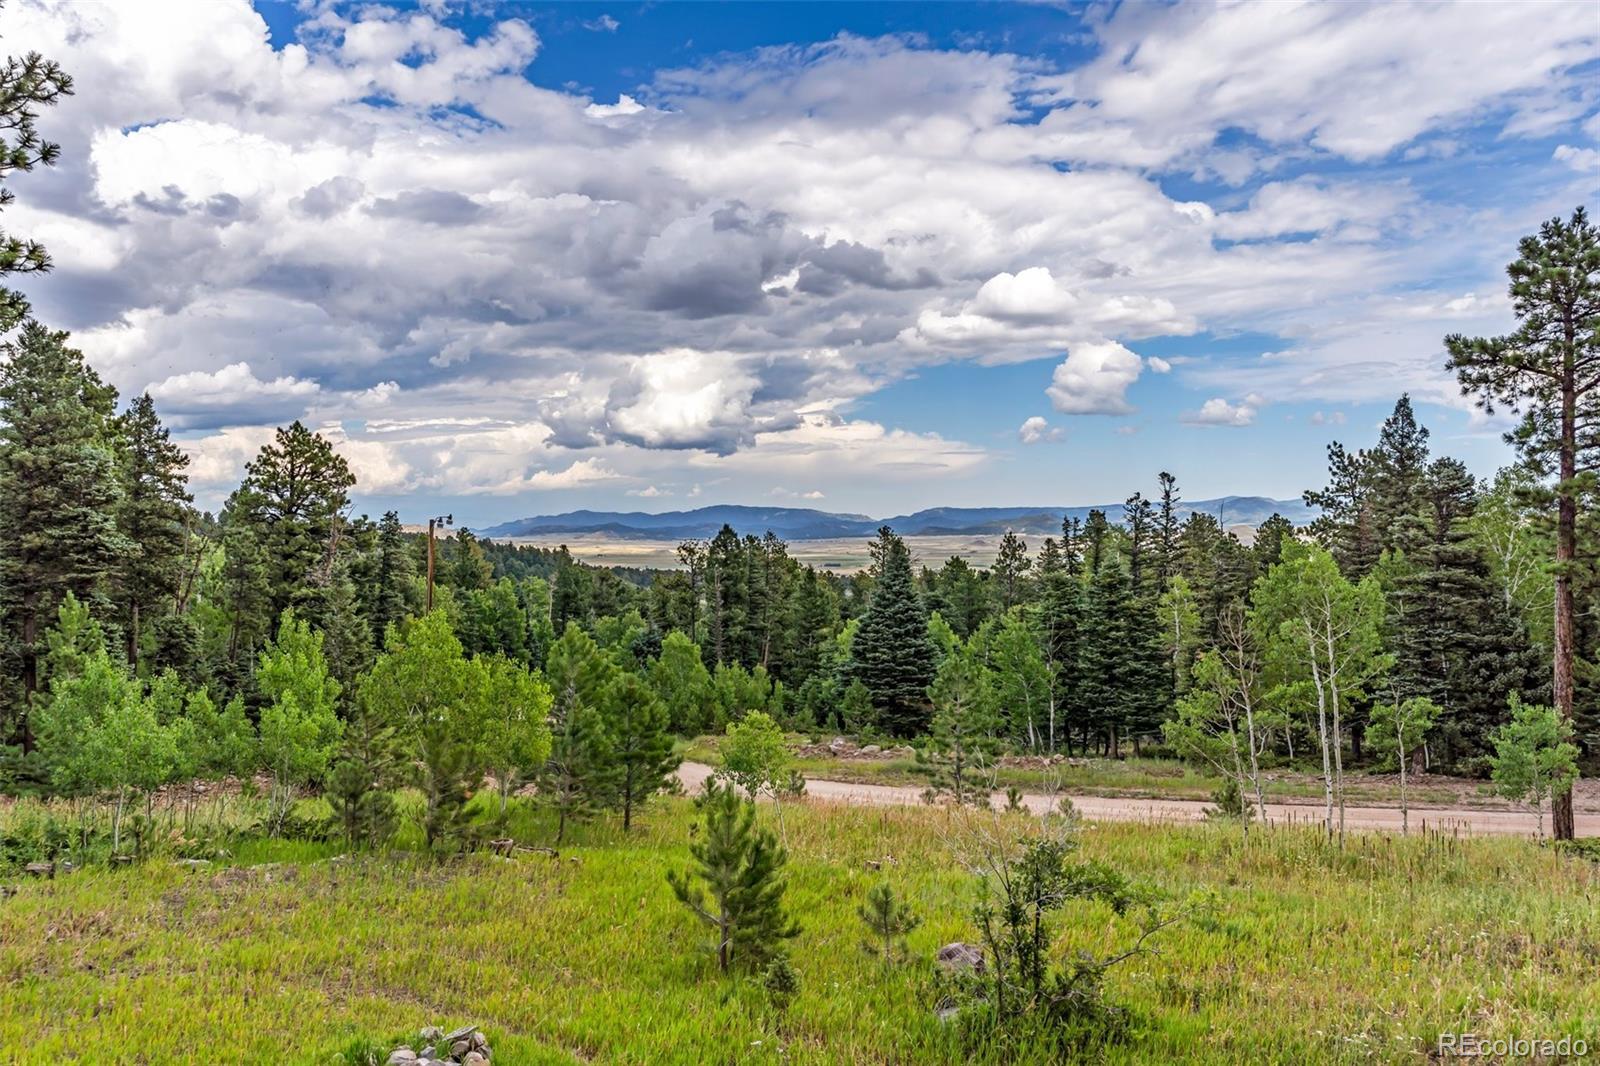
281, 952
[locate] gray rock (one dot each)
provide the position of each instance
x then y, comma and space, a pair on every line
477, 1039
427, 1052
402, 1056
474, 1058
459, 1048
871, 749
958, 958
431, 1034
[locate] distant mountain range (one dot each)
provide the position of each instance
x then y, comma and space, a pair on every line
803, 523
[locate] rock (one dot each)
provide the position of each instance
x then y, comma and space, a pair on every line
459, 1048
473, 1058
428, 1051
477, 1039
40, 869
463, 1033
871, 749
402, 1056
959, 957
430, 1035
838, 744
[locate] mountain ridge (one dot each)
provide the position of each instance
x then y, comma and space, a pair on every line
805, 523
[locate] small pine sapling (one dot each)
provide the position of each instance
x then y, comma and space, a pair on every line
889, 920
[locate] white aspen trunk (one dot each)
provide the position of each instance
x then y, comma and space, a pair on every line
1255, 762
1400, 743
1238, 777
116, 821
1322, 734
1338, 733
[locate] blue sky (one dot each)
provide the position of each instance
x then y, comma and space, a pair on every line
525, 258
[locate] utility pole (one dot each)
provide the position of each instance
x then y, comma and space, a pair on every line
442, 520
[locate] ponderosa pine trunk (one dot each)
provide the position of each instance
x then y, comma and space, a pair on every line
1561, 821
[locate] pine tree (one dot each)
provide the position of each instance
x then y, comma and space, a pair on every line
26, 85
1140, 520
58, 498
151, 516
243, 587
890, 653
814, 618
294, 495
1010, 571
643, 761
1397, 469
577, 664
964, 727
1125, 684
1268, 547
741, 866
1167, 529
468, 567
573, 781
369, 766
1453, 641
1058, 618
963, 599
346, 635
389, 596
1549, 371
889, 920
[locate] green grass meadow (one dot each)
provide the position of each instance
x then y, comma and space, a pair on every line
286, 954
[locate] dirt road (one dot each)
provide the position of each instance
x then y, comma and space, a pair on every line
1123, 809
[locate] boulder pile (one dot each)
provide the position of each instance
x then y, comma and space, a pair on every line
466, 1046
842, 748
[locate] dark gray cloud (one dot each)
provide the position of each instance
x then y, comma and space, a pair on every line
437, 207
328, 198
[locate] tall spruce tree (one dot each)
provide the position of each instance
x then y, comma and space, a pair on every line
891, 653
1453, 641
1057, 621
388, 597
58, 500
152, 515
1167, 529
